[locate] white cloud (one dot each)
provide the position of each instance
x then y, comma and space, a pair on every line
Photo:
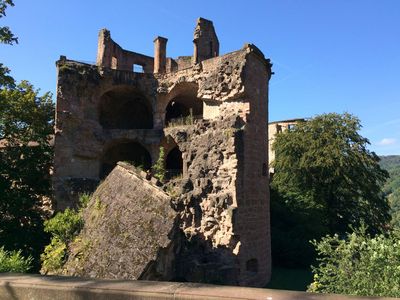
387, 142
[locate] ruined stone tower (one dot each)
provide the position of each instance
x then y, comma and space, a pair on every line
209, 112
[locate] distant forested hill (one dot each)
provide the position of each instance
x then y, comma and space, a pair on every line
392, 187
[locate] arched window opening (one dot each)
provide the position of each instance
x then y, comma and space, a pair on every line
174, 163
176, 110
125, 109
183, 106
182, 111
131, 152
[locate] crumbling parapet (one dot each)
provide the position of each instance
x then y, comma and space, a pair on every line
206, 44
111, 55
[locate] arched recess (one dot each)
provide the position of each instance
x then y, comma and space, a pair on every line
125, 108
183, 101
174, 163
129, 151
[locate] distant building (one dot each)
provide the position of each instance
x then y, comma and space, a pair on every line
273, 129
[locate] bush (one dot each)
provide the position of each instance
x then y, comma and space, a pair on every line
53, 256
358, 265
13, 261
63, 227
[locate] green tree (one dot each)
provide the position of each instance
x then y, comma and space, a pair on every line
26, 125
324, 164
358, 264
6, 36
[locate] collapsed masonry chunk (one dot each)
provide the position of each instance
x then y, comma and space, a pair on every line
127, 226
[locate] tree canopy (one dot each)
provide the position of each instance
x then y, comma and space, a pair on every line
26, 125
327, 162
6, 36
325, 180
26, 122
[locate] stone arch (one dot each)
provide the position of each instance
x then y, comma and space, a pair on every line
174, 162
124, 150
125, 108
182, 101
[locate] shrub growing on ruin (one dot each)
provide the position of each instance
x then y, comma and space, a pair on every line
159, 166
63, 227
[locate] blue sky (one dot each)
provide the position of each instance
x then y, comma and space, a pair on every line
328, 56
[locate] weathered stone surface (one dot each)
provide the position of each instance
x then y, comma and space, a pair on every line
210, 114
127, 226
206, 198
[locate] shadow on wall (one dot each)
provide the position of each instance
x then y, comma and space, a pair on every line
125, 108
128, 151
174, 163
183, 102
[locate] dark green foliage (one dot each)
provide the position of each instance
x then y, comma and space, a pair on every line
358, 265
294, 224
13, 261
325, 180
326, 162
290, 279
26, 122
6, 36
392, 186
5, 78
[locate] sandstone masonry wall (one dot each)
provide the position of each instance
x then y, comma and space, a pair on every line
108, 113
